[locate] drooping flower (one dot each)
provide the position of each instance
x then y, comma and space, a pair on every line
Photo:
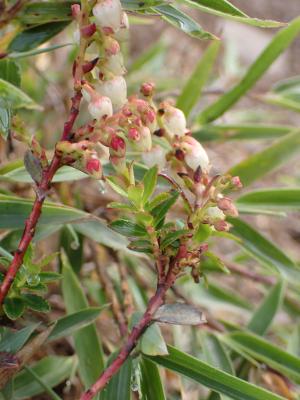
173, 120
155, 156
99, 106
116, 90
108, 15
194, 154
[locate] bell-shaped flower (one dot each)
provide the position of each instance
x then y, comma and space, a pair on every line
108, 15
194, 154
116, 90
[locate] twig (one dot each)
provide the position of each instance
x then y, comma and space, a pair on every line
268, 280
109, 291
47, 175
127, 296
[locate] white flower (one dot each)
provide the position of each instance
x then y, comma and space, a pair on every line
194, 154
122, 33
100, 107
215, 214
156, 156
174, 121
108, 14
116, 90
115, 64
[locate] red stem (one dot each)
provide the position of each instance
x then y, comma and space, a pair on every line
155, 302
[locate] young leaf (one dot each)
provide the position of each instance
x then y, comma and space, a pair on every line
128, 228
212, 377
278, 44
116, 187
152, 387
15, 97
259, 164
14, 307
191, 92
36, 303
263, 250
160, 211
86, 341
179, 314
71, 323
182, 21
5, 119
152, 342
264, 315
149, 181
171, 237
10, 72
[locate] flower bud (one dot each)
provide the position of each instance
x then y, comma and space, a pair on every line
116, 90
226, 205
173, 120
92, 165
75, 10
194, 154
155, 156
147, 89
117, 146
108, 15
88, 30
111, 46
236, 182
99, 106
141, 138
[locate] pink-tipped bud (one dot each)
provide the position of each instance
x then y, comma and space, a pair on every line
221, 226
133, 134
93, 166
111, 46
226, 205
100, 108
117, 146
194, 154
108, 15
173, 120
75, 10
88, 30
89, 65
116, 90
147, 89
236, 182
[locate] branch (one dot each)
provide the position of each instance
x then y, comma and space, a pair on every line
47, 176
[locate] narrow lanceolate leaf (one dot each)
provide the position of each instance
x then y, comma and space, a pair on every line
5, 119
128, 228
13, 342
15, 97
224, 9
265, 313
259, 164
137, 5
41, 12
86, 341
279, 199
211, 377
267, 353
33, 37
179, 314
151, 384
51, 370
278, 44
149, 181
119, 387
71, 323
215, 353
192, 90
264, 250
211, 132
182, 21
10, 72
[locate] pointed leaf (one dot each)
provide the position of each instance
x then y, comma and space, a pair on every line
179, 314
152, 387
15, 97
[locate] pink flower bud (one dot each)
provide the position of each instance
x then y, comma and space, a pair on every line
143, 141
93, 166
116, 90
117, 146
111, 46
147, 89
75, 10
108, 15
236, 182
226, 205
221, 226
133, 134
173, 120
88, 30
194, 154
89, 65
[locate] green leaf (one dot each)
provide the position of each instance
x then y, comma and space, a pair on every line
135, 195
137, 5
211, 132
263, 250
15, 97
259, 164
128, 228
212, 377
278, 44
160, 211
86, 341
228, 296
35, 36
224, 9
152, 342
41, 12
157, 200
36, 303
14, 211
10, 72
14, 307
112, 181
151, 384
171, 237
31, 53
215, 353
12, 342
267, 353
264, 315
182, 21
192, 90
279, 199
49, 276
71, 323
52, 370
5, 119
119, 387
149, 181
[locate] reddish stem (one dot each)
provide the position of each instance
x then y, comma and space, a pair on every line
155, 302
